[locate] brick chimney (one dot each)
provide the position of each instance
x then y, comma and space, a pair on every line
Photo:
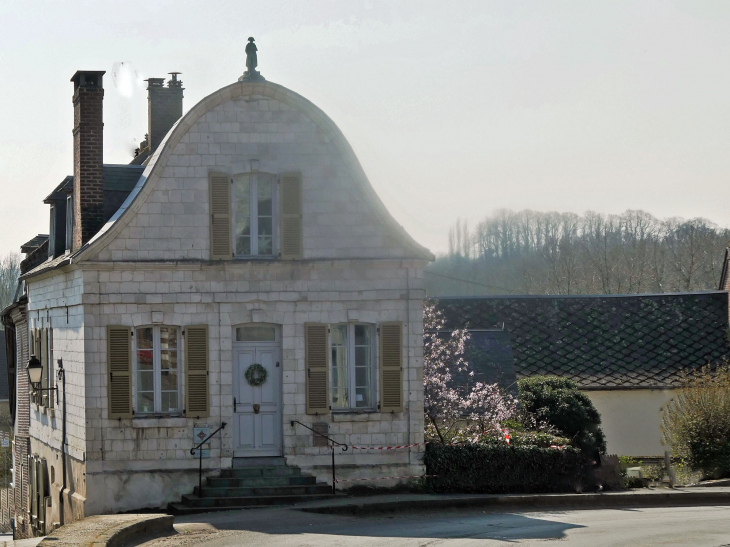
88, 191
164, 107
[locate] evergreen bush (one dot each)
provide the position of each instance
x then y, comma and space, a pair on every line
503, 469
558, 402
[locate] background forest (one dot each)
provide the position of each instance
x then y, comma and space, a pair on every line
529, 252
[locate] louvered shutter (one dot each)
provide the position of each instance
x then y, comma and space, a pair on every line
42, 495
391, 367
197, 398
119, 365
291, 216
44, 366
316, 365
220, 216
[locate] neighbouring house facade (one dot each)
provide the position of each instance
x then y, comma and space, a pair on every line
626, 352
248, 275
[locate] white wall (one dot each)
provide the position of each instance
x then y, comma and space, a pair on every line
631, 419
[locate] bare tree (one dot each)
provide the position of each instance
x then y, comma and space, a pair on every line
531, 252
9, 273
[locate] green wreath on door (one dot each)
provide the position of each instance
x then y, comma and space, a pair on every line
256, 375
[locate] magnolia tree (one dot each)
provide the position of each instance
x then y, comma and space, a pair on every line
451, 409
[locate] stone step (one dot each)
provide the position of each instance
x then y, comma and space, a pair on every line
263, 491
260, 462
193, 501
245, 472
232, 482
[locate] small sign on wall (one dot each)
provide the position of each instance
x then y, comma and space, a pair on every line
200, 433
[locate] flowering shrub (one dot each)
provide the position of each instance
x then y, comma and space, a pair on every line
452, 411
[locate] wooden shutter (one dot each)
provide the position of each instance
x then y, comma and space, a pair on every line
220, 216
291, 216
44, 366
316, 364
197, 398
119, 368
51, 369
391, 367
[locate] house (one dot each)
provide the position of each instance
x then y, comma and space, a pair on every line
245, 273
626, 352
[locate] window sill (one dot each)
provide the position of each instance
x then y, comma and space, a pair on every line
353, 411
255, 258
155, 421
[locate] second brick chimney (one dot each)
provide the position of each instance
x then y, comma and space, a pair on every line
88, 188
164, 107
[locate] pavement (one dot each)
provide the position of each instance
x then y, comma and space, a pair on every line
288, 527
421, 519
6, 540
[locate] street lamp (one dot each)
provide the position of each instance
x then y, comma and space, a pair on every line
35, 372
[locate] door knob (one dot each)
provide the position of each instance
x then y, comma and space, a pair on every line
256, 409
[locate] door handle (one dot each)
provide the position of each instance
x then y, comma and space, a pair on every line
234, 404
256, 409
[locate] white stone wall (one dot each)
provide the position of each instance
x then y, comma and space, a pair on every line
283, 293
57, 302
339, 220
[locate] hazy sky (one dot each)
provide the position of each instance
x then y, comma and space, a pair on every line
454, 108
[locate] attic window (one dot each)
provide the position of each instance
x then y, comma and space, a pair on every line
254, 197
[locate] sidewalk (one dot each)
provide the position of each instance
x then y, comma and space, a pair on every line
644, 497
6, 540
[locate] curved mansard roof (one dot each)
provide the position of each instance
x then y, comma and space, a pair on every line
159, 159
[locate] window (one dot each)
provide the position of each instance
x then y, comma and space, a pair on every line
69, 221
157, 388
352, 366
256, 333
253, 214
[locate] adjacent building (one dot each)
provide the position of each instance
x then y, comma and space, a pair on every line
626, 352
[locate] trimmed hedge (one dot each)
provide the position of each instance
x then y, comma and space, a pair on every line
503, 469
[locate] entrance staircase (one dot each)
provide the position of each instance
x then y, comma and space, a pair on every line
253, 482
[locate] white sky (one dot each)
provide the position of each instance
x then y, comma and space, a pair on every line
454, 108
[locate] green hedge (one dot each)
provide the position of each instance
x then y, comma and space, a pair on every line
495, 469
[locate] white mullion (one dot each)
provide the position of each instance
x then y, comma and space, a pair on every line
351, 363
255, 215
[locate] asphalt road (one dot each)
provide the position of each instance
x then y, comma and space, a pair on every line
690, 526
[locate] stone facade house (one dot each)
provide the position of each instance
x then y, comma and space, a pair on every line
248, 274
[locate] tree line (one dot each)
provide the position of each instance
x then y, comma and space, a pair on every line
530, 252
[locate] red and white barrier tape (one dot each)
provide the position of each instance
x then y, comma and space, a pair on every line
386, 447
386, 478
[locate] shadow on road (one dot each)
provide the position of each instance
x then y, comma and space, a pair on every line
447, 525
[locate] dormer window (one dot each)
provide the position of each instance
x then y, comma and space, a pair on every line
69, 222
254, 219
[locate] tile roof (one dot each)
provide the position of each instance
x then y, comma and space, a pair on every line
626, 341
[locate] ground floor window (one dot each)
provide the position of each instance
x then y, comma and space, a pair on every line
157, 370
351, 382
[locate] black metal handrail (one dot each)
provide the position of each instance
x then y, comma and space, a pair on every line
200, 465
332, 448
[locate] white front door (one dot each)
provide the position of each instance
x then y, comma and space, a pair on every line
257, 415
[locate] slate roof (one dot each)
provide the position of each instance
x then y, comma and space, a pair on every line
121, 178
33, 244
603, 342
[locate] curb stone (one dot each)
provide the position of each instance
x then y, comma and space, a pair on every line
528, 501
107, 530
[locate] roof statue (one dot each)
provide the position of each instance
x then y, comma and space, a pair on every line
252, 62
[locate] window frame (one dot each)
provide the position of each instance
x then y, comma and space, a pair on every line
254, 216
157, 372
351, 367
